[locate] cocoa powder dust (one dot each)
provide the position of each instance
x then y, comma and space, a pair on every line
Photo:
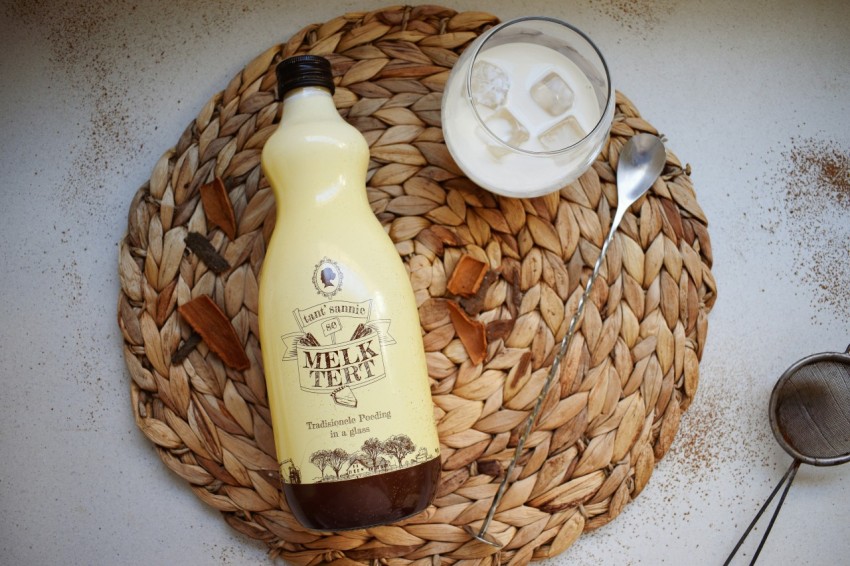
815, 181
639, 16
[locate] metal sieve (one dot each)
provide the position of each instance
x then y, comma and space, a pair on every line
810, 418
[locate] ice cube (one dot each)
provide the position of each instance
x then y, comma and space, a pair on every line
489, 84
563, 134
553, 94
496, 149
507, 128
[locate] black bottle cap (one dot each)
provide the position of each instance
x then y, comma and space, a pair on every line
303, 70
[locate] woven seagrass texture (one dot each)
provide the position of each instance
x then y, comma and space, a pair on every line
631, 370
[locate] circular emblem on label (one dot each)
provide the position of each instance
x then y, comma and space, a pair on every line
327, 278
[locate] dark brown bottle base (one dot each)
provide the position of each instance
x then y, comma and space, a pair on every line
364, 502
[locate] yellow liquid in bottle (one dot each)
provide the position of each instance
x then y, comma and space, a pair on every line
342, 348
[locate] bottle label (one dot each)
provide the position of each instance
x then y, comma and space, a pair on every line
348, 416
328, 366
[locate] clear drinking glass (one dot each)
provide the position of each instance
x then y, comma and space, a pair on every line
528, 107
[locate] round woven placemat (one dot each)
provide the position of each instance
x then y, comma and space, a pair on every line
631, 371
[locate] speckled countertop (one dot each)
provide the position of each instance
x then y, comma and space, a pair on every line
755, 95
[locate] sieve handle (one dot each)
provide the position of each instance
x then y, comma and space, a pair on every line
786, 480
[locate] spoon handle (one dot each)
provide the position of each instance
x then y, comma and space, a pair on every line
580, 308
786, 480
550, 378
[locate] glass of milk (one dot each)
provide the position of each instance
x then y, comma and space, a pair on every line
528, 107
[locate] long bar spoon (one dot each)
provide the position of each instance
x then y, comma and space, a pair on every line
640, 163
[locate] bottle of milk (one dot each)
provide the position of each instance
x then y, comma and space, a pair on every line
342, 349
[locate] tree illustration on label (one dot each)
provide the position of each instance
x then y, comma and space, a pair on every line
371, 449
368, 460
336, 458
398, 446
320, 459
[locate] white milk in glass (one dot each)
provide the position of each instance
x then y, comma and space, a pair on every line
529, 97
